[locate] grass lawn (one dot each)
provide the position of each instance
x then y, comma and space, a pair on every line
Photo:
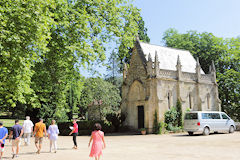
10, 122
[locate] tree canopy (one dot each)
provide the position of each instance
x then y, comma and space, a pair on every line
100, 95
43, 43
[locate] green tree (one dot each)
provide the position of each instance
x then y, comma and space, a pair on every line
224, 52
24, 35
125, 52
44, 42
73, 96
155, 123
179, 113
170, 118
99, 90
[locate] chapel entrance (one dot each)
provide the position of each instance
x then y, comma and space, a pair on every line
140, 117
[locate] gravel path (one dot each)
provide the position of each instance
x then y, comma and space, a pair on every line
140, 147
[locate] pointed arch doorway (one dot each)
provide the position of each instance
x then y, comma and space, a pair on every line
140, 117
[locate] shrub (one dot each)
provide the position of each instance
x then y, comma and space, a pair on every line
171, 117
174, 128
84, 127
161, 127
179, 113
116, 119
155, 123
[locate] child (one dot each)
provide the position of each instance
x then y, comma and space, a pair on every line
98, 142
3, 136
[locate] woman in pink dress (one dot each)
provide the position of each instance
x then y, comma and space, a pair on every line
98, 142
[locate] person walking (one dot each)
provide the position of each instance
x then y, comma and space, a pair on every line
3, 136
16, 134
39, 129
53, 135
98, 144
74, 133
27, 130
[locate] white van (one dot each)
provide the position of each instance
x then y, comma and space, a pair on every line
208, 121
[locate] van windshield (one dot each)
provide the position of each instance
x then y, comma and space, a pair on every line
191, 116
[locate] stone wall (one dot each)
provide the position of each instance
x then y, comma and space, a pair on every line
158, 90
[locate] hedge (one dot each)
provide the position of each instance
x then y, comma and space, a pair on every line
84, 127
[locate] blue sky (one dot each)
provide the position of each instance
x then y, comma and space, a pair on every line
220, 17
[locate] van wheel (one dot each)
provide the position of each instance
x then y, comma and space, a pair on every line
231, 129
206, 131
190, 133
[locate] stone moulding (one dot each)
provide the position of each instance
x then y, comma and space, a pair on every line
167, 74
206, 77
189, 76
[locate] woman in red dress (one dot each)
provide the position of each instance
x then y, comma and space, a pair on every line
98, 142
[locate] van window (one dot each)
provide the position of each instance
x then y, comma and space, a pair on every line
206, 116
211, 116
224, 116
191, 116
215, 115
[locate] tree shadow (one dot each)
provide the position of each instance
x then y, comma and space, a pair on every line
196, 134
6, 157
31, 153
123, 134
64, 149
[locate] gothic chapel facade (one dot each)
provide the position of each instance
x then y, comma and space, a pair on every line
157, 77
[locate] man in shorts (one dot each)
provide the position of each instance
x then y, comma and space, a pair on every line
16, 134
39, 128
3, 136
27, 130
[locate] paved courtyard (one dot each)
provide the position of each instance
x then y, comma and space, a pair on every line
140, 147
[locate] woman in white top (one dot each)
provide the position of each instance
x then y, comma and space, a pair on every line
53, 135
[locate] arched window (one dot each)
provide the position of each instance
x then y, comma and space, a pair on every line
208, 101
169, 95
190, 101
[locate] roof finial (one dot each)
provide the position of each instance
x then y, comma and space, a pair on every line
198, 64
156, 56
149, 57
178, 60
137, 38
213, 67
210, 69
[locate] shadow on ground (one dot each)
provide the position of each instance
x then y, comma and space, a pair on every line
195, 135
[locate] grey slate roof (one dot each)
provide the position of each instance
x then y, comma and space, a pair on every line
168, 57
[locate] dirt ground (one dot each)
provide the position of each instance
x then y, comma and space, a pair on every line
141, 147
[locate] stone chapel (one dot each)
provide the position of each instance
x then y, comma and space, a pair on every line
157, 76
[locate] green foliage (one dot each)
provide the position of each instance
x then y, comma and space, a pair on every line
188, 109
161, 127
155, 123
142, 31
142, 129
43, 43
116, 119
226, 56
171, 118
84, 127
142, 34
73, 96
174, 129
179, 113
25, 31
98, 90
